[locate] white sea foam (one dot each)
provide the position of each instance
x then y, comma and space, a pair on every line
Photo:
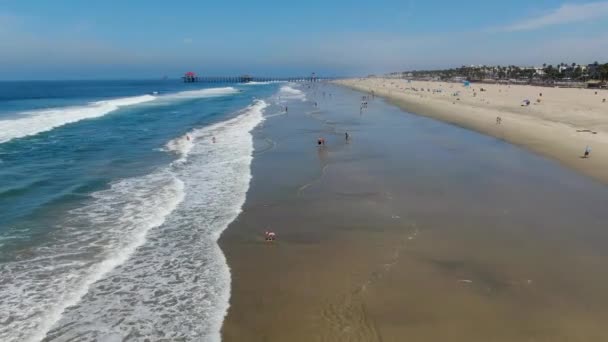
96, 239
34, 122
180, 145
142, 258
192, 94
290, 93
261, 83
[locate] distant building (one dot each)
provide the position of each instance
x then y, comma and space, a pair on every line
593, 70
189, 77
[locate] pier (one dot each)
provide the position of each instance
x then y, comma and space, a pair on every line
191, 77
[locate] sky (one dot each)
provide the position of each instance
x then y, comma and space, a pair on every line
117, 39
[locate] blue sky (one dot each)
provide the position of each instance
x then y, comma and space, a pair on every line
149, 39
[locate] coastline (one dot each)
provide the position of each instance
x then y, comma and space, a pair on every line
555, 127
400, 234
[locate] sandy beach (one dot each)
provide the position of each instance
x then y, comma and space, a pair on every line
414, 229
560, 126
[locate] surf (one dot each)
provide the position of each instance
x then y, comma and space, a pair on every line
137, 247
291, 93
30, 123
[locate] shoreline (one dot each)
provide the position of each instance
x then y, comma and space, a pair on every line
553, 128
413, 229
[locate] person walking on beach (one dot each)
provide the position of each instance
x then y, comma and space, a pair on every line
587, 151
498, 120
346, 136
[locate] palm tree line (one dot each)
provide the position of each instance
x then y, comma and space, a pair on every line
548, 73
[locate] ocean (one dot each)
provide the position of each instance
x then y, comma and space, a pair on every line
112, 197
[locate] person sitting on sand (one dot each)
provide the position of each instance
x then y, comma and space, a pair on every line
269, 236
587, 151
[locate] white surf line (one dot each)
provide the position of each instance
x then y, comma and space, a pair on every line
30, 123
107, 265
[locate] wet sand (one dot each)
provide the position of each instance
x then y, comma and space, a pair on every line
560, 125
414, 230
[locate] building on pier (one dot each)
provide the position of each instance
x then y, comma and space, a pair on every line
190, 77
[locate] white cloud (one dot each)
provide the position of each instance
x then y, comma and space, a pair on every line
565, 14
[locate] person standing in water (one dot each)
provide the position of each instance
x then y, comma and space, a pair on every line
346, 136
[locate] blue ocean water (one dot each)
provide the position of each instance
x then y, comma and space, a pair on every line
112, 197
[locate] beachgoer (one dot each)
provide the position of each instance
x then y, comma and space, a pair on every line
286, 109
269, 236
498, 120
320, 141
187, 137
346, 135
587, 151
213, 139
